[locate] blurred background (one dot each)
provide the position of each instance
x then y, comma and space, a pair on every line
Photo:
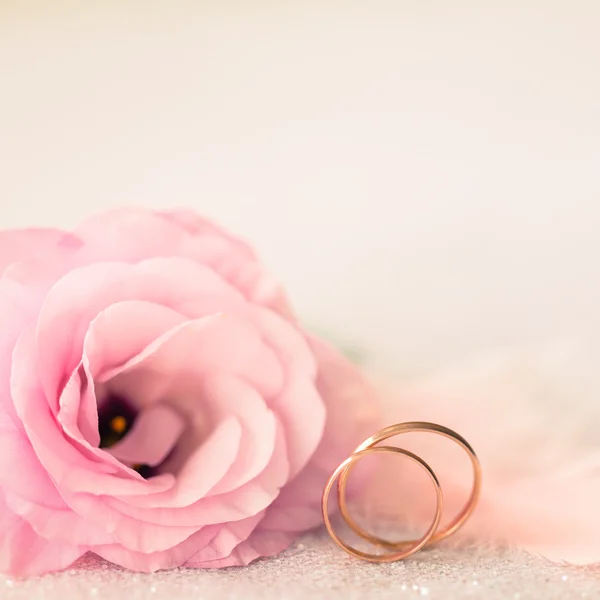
423, 176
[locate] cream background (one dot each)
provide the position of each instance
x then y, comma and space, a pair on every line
424, 176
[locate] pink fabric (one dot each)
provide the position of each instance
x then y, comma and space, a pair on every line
530, 418
241, 413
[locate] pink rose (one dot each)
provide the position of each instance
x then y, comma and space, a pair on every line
159, 404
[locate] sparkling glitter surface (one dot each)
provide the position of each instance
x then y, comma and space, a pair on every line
315, 568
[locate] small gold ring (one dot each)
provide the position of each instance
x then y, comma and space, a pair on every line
414, 546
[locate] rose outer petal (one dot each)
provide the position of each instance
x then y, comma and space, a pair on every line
13, 318
62, 525
17, 245
164, 559
23, 552
299, 407
229, 537
127, 235
142, 234
259, 544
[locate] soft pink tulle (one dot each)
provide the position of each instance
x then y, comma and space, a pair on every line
532, 418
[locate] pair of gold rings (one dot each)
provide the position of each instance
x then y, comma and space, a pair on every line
403, 549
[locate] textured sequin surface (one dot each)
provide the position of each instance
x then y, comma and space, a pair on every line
315, 568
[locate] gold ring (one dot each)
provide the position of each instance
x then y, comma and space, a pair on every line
384, 434
414, 545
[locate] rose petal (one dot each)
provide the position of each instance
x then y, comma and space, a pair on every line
130, 532
231, 395
77, 298
200, 228
299, 403
207, 465
122, 331
298, 506
149, 562
353, 410
145, 536
217, 343
232, 258
259, 544
60, 525
24, 553
132, 235
352, 415
80, 390
21, 470
33, 496
117, 333
67, 466
229, 537
248, 500
69, 470
78, 412
13, 318
18, 245
128, 235
176, 370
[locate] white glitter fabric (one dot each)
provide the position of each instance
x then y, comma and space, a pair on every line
316, 568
